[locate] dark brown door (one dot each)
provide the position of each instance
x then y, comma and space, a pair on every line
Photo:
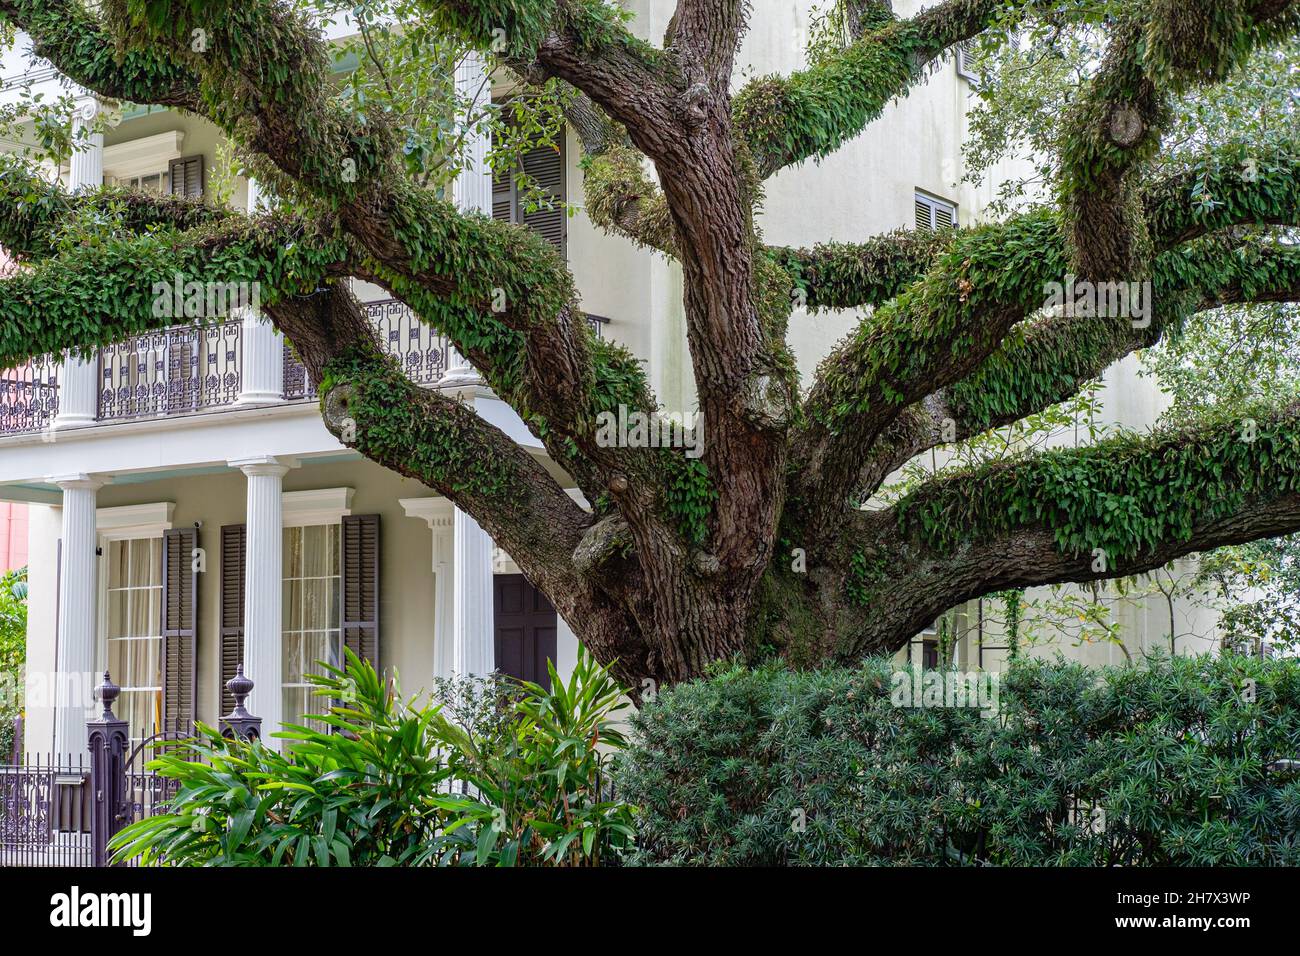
525, 629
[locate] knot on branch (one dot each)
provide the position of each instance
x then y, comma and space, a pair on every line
608, 538
337, 415
1126, 126
694, 104
768, 402
705, 564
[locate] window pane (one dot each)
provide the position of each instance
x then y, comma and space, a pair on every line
317, 603
117, 563
291, 605
293, 552
315, 551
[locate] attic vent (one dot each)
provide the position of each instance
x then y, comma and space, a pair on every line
933, 214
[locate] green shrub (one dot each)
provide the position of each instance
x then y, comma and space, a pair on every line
13, 652
380, 783
1166, 764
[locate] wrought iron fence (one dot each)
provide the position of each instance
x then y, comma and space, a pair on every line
45, 809
29, 396
171, 371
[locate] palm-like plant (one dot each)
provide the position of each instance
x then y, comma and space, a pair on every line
538, 792
376, 784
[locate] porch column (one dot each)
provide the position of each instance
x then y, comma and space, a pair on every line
475, 650
262, 360
472, 189
263, 576
79, 380
262, 367
78, 615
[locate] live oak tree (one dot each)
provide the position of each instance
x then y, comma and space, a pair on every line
760, 547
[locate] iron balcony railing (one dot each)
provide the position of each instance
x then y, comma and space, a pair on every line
172, 371
196, 368
29, 396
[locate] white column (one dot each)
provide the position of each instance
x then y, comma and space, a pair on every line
262, 360
86, 168
79, 380
262, 346
472, 189
78, 638
263, 581
475, 651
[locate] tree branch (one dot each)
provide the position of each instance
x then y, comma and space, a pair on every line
1110, 510
811, 113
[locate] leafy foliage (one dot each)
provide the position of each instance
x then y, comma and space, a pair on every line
13, 654
386, 782
1166, 764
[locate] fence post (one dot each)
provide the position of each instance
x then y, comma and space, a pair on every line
108, 738
239, 722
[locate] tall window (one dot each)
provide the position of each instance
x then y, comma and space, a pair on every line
311, 630
134, 633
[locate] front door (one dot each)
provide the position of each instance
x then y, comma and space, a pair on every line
525, 629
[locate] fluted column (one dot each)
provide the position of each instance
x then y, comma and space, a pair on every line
472, 189
262, 365
79, 380
262, 346
86, 168
263, 583
475, 651
78, 643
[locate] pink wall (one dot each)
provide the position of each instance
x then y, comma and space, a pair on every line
13, 535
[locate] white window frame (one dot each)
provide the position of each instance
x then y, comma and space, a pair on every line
308, 519
127, 523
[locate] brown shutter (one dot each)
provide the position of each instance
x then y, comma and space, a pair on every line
503, 196
360, 586
545, 166
179, 607
186, 177
233, 542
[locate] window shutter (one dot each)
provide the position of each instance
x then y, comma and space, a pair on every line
923, 218
233, 542
179, 600
933, 214
186, 177
545, 166
360, 586
966, 62
503, 196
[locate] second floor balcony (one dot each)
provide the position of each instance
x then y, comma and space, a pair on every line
203, 369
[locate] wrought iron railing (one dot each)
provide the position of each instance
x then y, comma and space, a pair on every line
423, 352
45, 812
194, 368
171, 371
29, 396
